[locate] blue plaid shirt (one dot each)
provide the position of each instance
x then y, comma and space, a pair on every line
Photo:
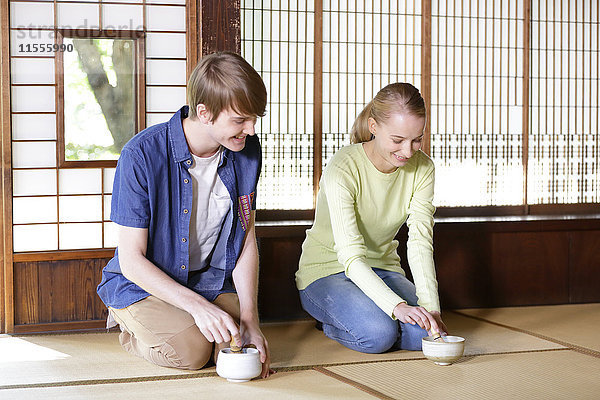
153, 189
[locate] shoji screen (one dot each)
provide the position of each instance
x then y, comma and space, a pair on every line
69, 208
476, 110
278, 40
366, 45
563, 139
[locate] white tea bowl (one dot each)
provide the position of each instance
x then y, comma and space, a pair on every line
443, 353
239, 367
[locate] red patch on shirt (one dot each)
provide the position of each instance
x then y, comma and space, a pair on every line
245, 208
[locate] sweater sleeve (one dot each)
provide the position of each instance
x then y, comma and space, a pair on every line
420, 240
340, 189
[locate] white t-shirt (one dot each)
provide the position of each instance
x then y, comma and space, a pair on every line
210, 205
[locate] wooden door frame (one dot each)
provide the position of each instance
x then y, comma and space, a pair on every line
6, 254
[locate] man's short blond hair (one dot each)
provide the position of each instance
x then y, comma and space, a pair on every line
225, 80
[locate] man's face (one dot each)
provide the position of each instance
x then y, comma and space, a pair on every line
230, 129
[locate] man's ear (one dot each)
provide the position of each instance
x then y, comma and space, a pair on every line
203, 114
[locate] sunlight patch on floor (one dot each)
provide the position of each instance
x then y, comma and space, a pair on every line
14, 349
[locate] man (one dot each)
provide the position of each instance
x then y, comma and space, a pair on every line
185, 272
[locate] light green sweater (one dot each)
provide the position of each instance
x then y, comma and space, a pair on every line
359, 212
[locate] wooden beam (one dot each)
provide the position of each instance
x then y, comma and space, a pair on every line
71, 327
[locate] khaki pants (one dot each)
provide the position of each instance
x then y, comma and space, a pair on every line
166, 335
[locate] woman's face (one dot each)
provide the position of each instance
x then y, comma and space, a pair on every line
396, 140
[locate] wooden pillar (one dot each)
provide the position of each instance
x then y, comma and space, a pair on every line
426, 69
526, 65
318, 101
219, 26
212, 25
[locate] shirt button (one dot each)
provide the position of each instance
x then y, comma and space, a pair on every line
185, 211
183, 240
183, 267
188, 162
186, 181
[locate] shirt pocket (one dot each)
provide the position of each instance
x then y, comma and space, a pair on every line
219, 206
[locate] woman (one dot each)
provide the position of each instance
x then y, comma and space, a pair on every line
350, 279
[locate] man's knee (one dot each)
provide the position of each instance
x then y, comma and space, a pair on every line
188, 349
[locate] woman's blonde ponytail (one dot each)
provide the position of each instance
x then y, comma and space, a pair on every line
396, 97
360, 129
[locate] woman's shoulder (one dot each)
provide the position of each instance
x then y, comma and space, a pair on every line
422, 167
346, 155
423, 158
422, 161
344, 163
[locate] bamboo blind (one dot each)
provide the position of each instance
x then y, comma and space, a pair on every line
365, 45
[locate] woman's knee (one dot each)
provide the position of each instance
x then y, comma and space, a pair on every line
411, 336
377, 336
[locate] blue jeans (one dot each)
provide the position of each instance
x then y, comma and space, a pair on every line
351, 318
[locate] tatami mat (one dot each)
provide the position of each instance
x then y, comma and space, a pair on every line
577, 324
58, 358
298, 385
561, 374
301, 344
50, 359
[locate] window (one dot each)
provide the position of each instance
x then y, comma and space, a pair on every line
98, 95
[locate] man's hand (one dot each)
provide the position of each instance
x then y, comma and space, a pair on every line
253, 337
215, 324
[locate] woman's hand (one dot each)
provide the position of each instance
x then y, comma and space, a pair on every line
438, 318
415, 315
253, 337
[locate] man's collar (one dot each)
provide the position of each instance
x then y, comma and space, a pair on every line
181, 151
